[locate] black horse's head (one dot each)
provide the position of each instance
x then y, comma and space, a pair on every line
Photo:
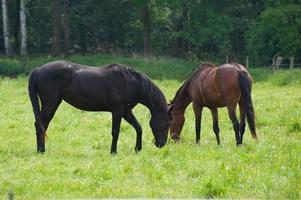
160, 122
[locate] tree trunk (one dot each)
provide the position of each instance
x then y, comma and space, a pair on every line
6, 35
56, 47
146, 31
66, 27
23, 29
16, 29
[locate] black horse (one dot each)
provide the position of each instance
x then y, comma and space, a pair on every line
114, 88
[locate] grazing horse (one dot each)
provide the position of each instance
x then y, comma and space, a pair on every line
215, 87
114, 88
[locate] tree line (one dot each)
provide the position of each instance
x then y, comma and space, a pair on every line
196, 28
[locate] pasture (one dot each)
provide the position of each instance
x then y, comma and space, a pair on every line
78, 164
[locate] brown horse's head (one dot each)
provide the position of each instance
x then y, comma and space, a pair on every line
177, 122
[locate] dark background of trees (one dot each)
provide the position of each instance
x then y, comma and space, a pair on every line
203, 29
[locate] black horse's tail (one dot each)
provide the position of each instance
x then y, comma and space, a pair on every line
245, 86
33, 94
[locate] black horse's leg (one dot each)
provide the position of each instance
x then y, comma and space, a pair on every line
197, 108
214, 113
131, 119
242, 123
116, 121
40, 135
47, 114
232, 116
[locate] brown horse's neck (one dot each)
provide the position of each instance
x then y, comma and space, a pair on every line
181, 105
182, 98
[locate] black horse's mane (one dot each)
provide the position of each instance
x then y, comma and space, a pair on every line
150, 91
188, 80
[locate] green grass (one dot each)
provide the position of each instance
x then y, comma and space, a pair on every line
77, 163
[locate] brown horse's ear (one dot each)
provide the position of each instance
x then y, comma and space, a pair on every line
170, 108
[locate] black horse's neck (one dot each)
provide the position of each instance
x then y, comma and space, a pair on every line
150, 94
152, 97
182, 98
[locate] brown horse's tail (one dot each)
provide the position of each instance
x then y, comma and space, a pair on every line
33, 94
245, 86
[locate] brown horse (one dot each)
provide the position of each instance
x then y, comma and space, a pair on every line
215, 87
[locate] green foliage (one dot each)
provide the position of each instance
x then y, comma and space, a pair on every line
193, 29
282, 78
276, 32
155, 67
10, 67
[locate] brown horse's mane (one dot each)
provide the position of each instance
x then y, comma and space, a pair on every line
186, 84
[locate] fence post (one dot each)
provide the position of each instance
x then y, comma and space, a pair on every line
278, 62
247, 62
291, 63
273, 64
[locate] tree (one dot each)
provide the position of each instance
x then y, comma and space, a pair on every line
56, 47
66, 27
6, 34
23, 28
276, 32
146, 30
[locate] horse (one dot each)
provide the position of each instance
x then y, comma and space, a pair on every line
113, 88
215, 87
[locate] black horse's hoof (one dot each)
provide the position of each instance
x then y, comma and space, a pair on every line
113, 153
41, 151
137, 149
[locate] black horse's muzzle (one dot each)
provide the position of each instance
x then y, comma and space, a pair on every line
160, 143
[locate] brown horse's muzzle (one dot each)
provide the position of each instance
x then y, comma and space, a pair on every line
175, 137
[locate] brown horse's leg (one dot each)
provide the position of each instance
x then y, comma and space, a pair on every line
116, 121
215, 124
198, 118
242, 123
131, 119
47, 114
232, 116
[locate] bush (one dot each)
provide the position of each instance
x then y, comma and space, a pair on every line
10, 67
285, 77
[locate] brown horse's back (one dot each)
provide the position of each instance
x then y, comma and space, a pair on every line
217, 86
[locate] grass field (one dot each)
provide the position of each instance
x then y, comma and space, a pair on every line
77, 163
